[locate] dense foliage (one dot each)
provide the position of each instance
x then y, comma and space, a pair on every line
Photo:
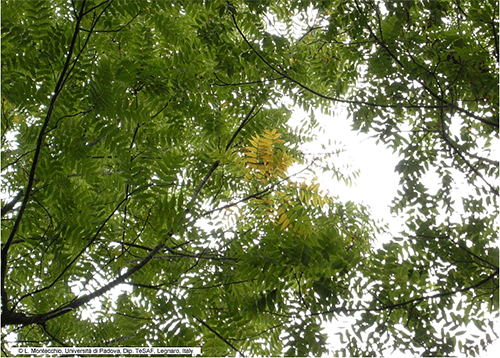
151, 175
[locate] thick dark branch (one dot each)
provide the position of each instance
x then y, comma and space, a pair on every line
495, 37
15, 318
10, 317
247, 119
77, 57
29, 187
10, 205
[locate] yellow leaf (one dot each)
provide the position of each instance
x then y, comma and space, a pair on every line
16, 119
251, 154
266, 143
281, 219
267, 158
255, 141
271, 134
251, 160
285, 224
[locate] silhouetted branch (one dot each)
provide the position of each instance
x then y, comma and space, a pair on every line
10, 205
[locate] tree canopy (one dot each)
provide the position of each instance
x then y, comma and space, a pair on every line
150, 174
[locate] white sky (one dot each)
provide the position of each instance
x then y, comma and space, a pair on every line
376, 185
377, 182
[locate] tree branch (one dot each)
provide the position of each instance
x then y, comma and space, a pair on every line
16, 318
444, 136
218, 335
91, 241
335, 99
264, 191
116, 30
10, 205
29, 187
223, 83
396, 305
52, 336
495, 38
215, 165
427, 88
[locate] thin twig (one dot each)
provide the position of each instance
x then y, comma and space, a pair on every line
218, 335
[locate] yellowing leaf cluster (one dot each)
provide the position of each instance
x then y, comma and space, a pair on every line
284, 221
265, 159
